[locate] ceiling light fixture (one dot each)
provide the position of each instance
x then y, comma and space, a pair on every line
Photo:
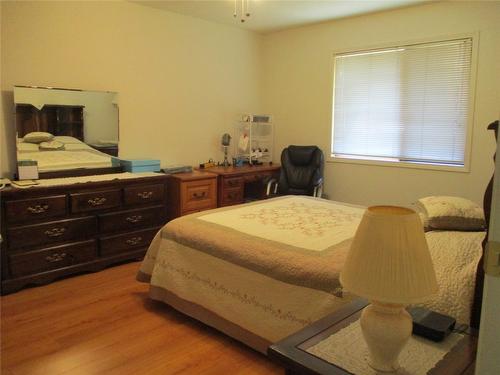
244, 9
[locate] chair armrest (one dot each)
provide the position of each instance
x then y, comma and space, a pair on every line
318, 188
318, 182
270, 186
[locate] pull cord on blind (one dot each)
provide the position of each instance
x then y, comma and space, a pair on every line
407, 103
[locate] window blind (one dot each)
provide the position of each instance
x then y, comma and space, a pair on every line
408, 103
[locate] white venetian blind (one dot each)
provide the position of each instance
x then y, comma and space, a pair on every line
407, 103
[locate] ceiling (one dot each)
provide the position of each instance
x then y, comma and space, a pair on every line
273, 15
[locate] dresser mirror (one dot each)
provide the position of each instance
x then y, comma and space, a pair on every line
66, 132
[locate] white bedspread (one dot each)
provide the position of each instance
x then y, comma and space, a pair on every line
272, 307
57, 160
455, 256
76, 154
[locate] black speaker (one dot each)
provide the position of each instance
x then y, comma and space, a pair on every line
430, 324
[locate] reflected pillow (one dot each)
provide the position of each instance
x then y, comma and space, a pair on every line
27, 147
451, 213
52, 145
37, 137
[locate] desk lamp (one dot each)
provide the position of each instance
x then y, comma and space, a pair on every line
226, 140
389, 263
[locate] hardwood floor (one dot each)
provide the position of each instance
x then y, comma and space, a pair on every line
104, 323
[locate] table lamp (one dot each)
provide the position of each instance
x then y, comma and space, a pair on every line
389, 263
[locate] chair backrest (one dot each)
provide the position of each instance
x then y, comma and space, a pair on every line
301, 169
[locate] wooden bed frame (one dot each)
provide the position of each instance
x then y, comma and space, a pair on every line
478, 291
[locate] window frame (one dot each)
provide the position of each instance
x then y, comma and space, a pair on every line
392, 162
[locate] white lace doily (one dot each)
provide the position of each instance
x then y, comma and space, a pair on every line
347, 349
94, 178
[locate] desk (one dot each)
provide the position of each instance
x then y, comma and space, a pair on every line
237, 184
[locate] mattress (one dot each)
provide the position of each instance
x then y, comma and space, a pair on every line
261, 271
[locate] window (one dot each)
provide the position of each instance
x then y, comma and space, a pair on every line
405, 104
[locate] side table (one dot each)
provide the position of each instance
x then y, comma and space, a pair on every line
292, 354
191, 192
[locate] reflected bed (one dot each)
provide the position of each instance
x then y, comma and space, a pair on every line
75, 154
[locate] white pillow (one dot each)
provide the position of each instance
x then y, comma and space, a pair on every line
37, 137
451, 213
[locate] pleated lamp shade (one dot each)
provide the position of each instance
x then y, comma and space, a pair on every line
389, 260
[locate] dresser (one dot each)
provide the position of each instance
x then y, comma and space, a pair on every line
191, 192
237, 184
54, 231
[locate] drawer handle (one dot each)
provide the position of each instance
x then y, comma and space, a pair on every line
145, 194
56, 257
134, 218
38, 209
231, 195
134, 241
201, 195
56, 232
98, 201
233, 183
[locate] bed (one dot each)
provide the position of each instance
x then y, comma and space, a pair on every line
261, 271
74, 154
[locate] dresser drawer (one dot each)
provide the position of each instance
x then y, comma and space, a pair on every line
54, 231
95, 200
124, 242
232, 182
32, 262
132, 219
37, 208
144, 194
200, 194
232, 196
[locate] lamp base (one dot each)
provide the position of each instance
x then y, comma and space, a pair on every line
386, 328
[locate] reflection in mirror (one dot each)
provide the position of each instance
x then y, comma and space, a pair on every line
64, 130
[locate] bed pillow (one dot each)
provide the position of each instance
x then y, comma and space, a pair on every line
37, 137
451, 213
52, 145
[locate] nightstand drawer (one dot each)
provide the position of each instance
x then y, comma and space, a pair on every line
34, 209
132, 219
122, 243
52, 258
144, 194
199, 194
51, 232
96, 200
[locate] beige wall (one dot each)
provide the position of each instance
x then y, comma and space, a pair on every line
298, 91
180, 80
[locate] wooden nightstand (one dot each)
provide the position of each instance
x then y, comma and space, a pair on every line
292, 354
191, 192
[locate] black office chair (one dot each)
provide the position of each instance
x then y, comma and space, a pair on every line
301, 172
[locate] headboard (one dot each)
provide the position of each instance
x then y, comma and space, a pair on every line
55, 119
478, 292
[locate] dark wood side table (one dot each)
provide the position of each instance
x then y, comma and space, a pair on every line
236, 184
292, 354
